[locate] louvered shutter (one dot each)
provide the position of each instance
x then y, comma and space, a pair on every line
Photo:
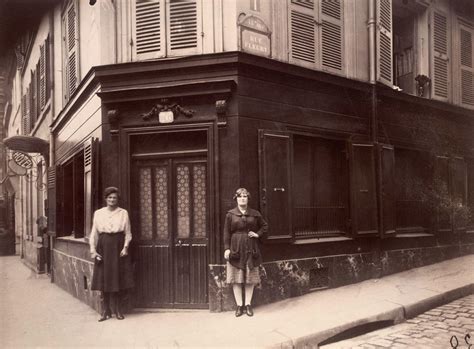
27, 112
47, 69
23, 115
33, 104
184, 27
42, 76
363, 189
387, 190
149, 29
384, 42
332, 47
52, 201
303, 33
440, 70
466, 36
71, 41
275, 153
90, 183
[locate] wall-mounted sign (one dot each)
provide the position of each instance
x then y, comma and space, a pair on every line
255, 37
22, 160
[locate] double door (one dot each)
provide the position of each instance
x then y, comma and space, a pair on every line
170, 218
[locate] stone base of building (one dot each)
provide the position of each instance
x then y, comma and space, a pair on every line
286, 279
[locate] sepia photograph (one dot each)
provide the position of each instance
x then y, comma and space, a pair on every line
285, 174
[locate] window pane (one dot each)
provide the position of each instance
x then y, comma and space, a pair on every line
183, 201
161, 202
145, 204
199, 200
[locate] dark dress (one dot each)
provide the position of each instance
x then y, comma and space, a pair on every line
113, 273
245, 256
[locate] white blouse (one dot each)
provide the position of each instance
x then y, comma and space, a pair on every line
109, 222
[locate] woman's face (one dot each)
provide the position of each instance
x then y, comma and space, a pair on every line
242, 200
112, 200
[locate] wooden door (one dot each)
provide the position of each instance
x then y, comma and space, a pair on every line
170, 216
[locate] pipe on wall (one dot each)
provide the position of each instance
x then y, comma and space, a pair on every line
372, 42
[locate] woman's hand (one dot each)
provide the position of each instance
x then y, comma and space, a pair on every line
253, 234
226, 254
124, 252
95, 255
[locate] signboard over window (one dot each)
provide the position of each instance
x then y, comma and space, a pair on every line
255, 37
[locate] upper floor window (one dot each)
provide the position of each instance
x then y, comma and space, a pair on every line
166, 28
38, 92
70, 36
316, 32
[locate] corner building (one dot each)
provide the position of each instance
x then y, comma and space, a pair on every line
350, 122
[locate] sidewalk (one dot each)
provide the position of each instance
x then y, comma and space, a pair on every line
36, 313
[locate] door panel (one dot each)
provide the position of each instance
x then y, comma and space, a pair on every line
171, 215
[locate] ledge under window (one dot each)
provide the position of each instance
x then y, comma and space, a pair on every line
317, 240
71, 238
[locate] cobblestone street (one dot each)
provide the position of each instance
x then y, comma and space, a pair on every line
448, 326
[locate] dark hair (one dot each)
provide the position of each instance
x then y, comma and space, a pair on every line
110, 190
241, 191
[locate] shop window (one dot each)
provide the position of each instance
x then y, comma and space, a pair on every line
70, 35
413, 185
305, 187
71, 197
320, 187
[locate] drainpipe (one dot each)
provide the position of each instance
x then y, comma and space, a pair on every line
52, 158
372, 32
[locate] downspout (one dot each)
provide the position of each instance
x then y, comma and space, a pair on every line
372, 23
52, 159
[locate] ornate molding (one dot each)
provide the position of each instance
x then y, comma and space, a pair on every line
166, 105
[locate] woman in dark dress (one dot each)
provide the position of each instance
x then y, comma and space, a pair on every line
109, 242
242, 229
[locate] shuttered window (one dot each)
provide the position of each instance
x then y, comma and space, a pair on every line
42, 76
70, 50
466, 38
440, 57
162, 28
384, 41
316, 34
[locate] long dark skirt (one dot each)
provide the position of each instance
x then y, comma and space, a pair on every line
113, 273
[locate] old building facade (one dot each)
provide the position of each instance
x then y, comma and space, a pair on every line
350, 122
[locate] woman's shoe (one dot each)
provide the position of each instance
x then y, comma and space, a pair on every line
249, 310
118, 313
106, 314
239, 311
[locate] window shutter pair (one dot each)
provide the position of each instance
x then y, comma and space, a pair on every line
275, 155
90, 182
166, 28
71, 49
316, 34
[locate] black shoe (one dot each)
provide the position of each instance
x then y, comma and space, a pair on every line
239, 311
107, 314
249, 310
119, 314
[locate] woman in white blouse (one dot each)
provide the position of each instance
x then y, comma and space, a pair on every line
109, 242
